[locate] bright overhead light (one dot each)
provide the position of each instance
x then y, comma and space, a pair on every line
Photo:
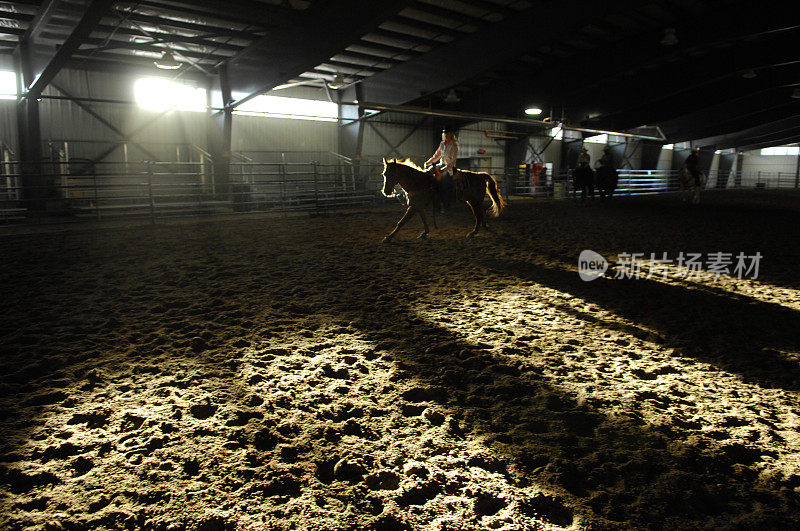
533, 111
452, 97
669, 37
337, 82
749, 74
167, 61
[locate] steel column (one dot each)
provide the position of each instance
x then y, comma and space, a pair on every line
34, 187
219, 134
91, 17
651, 153
724, 169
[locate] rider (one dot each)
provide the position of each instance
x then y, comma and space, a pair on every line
583, 175
607, 160
606, 174
446, 154
584, 159
691, 163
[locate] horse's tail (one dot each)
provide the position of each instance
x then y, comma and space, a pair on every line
498, 203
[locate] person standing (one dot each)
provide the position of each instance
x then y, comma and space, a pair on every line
692, 164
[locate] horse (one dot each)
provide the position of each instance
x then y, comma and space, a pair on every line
421, 188
689, 186
607, 178
583, 178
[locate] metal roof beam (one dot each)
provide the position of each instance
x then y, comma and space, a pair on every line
490, 47
89, 20
40, 20
165, 22
286, 53
754, 133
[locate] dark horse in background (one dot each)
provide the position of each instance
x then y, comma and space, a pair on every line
422, 190
607, 178
583, 178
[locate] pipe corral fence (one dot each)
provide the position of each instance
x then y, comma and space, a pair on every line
64, 190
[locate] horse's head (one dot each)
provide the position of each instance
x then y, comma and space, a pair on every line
390, 177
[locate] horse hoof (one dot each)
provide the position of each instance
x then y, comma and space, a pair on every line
470, 235
423, 236
386, 239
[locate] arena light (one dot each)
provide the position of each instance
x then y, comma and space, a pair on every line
669, 38
452, 97
533, 111
167, 61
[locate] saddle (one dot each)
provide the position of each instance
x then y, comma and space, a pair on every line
436, 173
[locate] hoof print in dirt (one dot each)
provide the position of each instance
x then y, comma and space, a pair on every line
548, 508
383, 480
62, 451
265, 439
19, 482
198, 344
202, 411
434, 417
242, 417
419, 494
412, 410
424, 394
490, 463
487, 504
281, 486
82, 465
191, 467
92, 420
216, 523
389, 522
348, 470
416, 469
342, 373
44, 399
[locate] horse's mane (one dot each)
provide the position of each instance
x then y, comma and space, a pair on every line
405, 162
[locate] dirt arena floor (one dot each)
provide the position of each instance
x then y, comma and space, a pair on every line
295, 373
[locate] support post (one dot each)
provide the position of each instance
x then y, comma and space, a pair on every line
219, 131
797, 172
351, 130
651, 153
150, 192
724, 169
316, 187
35, 189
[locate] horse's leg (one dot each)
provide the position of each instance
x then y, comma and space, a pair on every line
478, 213
409, 211
434, 204
424, 234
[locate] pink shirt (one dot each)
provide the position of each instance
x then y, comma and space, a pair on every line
447, 153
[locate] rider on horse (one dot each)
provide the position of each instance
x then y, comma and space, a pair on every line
446, 155
691, 163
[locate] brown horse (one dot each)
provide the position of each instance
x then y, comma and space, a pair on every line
421, 189
689, 186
